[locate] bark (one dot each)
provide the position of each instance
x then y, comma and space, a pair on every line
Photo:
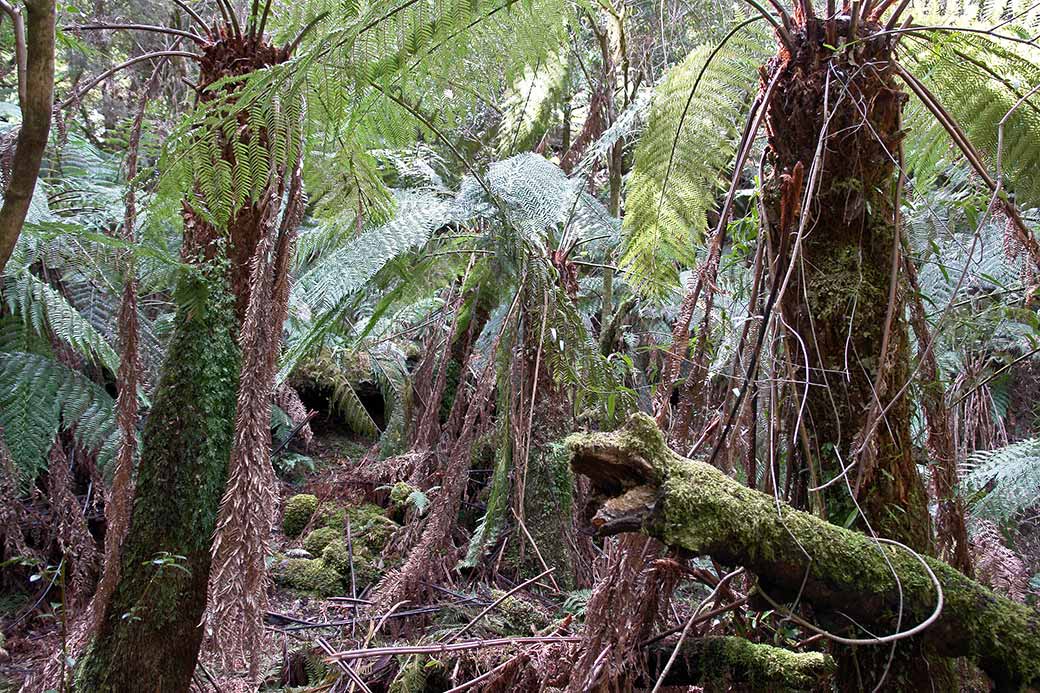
834, 133
642, 485
150, 631
35, 100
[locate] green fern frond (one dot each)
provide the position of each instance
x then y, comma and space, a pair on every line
43, 307
689, 141
528, 104
37, 397
1005, 481
978, 81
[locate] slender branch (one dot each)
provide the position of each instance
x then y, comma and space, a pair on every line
78, 94
138, 27
36, 96
18, 21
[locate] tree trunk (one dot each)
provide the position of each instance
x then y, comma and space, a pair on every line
150, 631
36, 99
642, 485
834, 131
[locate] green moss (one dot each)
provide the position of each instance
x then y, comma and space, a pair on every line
318, 539
311, 575
336, 554
370, 527
181, 480
519, 616
400, 492
726, 659
298, 512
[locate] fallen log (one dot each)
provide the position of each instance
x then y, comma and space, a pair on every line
719, 662
641, 485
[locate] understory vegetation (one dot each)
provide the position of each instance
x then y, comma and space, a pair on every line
426, 346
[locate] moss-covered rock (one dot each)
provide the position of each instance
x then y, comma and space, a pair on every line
370, 527
298, 512
312, 576
519, 616
319, 538
337, 555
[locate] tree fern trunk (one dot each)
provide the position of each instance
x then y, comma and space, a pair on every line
149, 635
834, 130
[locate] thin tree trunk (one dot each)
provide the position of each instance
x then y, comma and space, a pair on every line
36, 100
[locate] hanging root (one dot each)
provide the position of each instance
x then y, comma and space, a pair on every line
639, 484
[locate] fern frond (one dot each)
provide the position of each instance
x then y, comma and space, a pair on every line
1005, 481
689, 140
37, 397
978, 81
43, 307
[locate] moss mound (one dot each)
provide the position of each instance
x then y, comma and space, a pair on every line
298, 512
318, 539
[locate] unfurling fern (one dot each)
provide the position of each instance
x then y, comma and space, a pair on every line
689, 141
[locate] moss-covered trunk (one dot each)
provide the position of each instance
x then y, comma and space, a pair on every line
545, 482
834, 132
149, 635
834, 140
843, 575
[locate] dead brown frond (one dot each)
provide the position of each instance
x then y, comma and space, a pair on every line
239, 581
625, 605
996, 565
70, 529
288, 400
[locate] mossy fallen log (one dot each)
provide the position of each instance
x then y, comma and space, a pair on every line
719, 662
641, 485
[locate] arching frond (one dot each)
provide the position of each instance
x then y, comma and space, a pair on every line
979, 81
39, 396
689, 140
1004, 481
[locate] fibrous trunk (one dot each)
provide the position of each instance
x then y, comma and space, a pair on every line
834, 131
834, 126
150, 632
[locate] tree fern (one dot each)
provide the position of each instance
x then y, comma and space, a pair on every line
689, 140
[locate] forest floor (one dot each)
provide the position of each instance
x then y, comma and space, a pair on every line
323, 576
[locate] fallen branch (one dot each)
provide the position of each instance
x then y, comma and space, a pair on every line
723, 660
641, 485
